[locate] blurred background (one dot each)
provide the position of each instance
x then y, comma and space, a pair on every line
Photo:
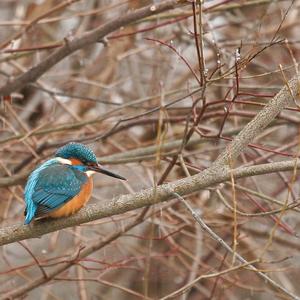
204, 68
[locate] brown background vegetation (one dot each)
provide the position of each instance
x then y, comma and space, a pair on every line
159, 90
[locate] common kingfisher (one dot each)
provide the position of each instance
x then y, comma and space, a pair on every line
62, 185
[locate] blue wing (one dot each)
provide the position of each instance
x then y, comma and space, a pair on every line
50, 186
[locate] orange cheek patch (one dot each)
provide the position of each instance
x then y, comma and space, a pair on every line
75, 204
75, 161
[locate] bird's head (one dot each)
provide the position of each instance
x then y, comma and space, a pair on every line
82, 156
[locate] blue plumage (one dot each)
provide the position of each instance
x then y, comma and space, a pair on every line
31, 207
59, 180
77, 150
50, 186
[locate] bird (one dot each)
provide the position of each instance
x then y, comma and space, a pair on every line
62, 185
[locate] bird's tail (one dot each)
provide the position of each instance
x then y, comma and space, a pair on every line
30, 212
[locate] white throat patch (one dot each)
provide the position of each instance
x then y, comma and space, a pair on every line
64, 161
89, 173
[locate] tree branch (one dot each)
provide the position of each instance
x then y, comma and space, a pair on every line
260, 121
84, 40
141, 199
217, 173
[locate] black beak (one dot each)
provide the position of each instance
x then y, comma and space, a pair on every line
99, 169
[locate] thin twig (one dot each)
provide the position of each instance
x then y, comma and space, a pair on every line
218, 239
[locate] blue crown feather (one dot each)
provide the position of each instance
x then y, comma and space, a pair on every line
78, 151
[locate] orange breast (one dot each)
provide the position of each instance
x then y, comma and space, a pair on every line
75, 204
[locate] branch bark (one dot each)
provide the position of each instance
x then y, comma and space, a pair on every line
217, 173
141, 199
260, 121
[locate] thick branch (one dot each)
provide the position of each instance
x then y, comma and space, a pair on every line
215, 174
144, 198
260, 121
